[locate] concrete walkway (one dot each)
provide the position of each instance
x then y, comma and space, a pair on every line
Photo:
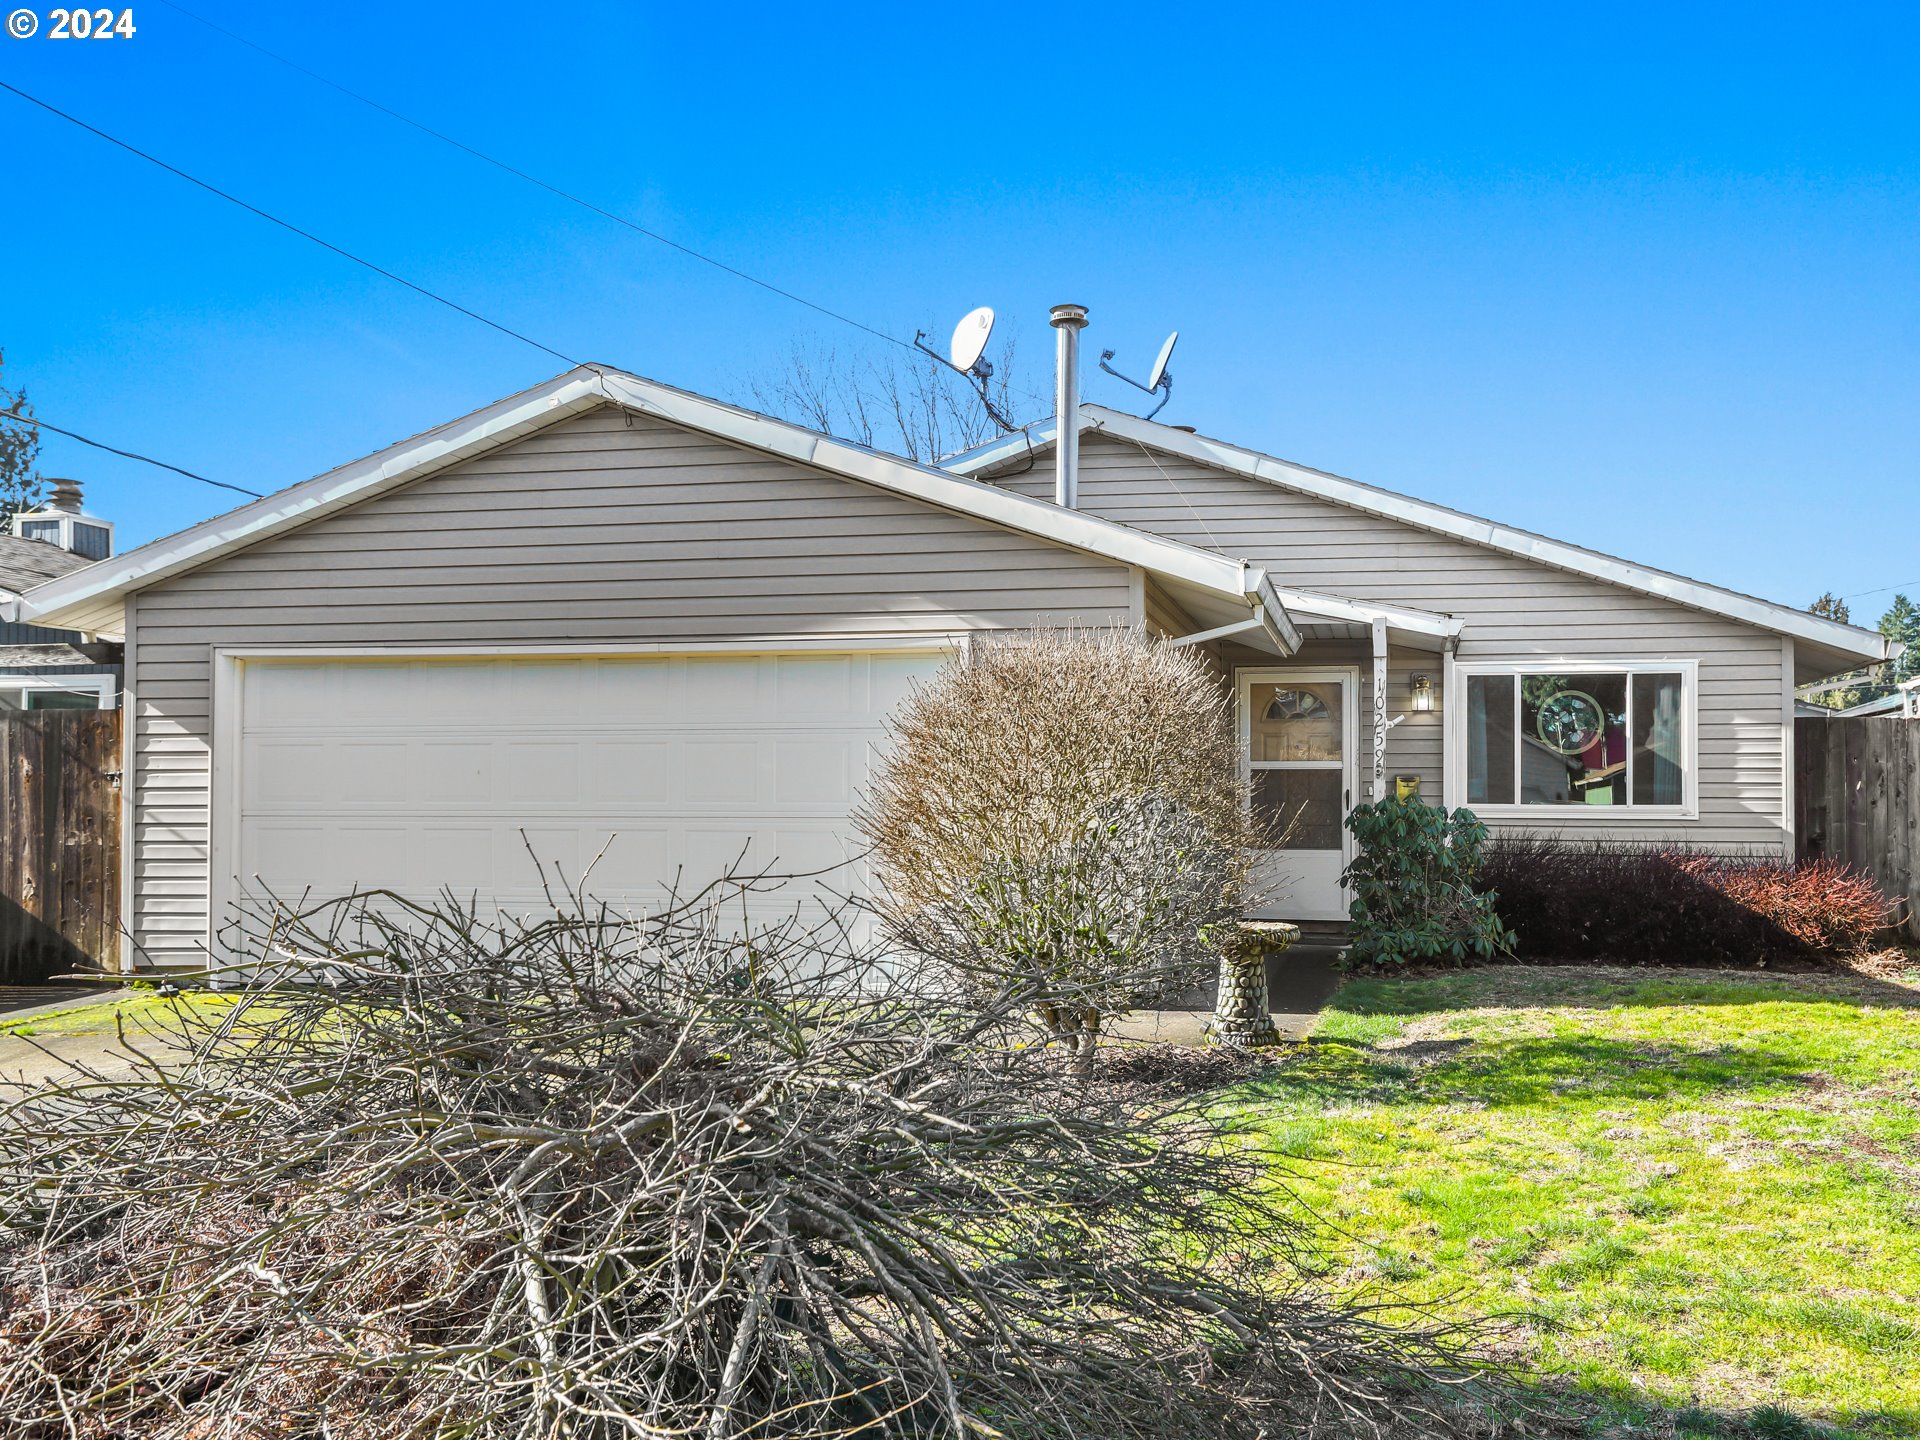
1299, 983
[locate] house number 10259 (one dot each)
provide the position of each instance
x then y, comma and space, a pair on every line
90, 25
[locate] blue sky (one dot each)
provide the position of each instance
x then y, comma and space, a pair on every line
1639, 278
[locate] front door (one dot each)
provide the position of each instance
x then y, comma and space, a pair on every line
1299, 729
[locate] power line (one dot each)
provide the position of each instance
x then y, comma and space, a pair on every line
1861, 594
288, 225
556, 190
40, 424
546, 185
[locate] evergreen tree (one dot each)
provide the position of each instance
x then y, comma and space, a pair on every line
19, 448
1902, 622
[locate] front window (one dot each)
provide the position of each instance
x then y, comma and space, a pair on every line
1577, 738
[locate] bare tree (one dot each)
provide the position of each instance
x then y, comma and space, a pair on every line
894, 400
590, 1176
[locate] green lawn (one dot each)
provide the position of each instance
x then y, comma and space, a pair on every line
1702, 1189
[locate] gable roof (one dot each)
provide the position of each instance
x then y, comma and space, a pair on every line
26, 563
1860, 645
1210, 585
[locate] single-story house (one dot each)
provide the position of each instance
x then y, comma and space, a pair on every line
631, 628
42, 667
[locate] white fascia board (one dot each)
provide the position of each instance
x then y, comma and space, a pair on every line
1781, 619
1272, 611
83, 592
96, 593
1003, 448
1363, 612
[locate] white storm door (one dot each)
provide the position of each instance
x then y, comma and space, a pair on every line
1299, 729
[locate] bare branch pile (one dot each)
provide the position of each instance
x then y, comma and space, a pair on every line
593, 1176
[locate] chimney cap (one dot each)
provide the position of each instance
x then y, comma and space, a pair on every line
64, 494
1074, 315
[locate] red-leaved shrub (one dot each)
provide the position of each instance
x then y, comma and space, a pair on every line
1670, 905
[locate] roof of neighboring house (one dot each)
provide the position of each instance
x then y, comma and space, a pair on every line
26, 563
1845, 640
1210, 587
18, 656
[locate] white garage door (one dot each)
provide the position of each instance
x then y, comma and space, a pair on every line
417, 775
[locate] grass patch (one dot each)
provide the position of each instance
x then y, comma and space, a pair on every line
1699, 1190
139, 1012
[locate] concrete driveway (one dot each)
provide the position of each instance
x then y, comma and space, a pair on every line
47, 1029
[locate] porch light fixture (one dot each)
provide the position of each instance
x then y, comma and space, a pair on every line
1422, 687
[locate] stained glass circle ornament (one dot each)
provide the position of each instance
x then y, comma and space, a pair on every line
1571, 721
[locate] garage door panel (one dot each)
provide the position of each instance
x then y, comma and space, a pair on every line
421, 775
815, 772
297, 690
542, 774
283, 772
375, 772
721, 688
629, 771
450, 773
717, 772
637, 689
816, 689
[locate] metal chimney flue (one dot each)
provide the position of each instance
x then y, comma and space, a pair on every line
1069, 320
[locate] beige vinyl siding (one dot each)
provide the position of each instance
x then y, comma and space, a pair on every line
1513, 609
598, 531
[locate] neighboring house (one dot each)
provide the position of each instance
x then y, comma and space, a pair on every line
641, 631
43, 668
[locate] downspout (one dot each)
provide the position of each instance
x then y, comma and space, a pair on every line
1069, 320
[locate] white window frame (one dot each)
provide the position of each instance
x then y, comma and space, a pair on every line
104, 688
1460, 671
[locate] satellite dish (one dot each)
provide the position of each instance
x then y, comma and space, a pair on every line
1159, 382
970, 338
1159, 371
966, 356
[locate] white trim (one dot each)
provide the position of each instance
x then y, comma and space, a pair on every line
1867, 645
1219, 632
103, 688
229, 664
1365, 612
1789, 754
84, 592
129, 783
1454, 784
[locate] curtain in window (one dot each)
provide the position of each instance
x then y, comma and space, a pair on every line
1659, 773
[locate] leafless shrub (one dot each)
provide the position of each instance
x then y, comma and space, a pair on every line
590, 1176
1065, 818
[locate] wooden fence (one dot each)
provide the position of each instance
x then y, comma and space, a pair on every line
59, 842
1857, 798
